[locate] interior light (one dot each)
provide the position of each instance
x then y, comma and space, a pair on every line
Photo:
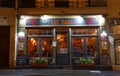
32, 39
103, 34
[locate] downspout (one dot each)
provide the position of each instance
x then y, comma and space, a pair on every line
16, 31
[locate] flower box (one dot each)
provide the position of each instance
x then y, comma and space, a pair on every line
84, 64
40, 61
38, 64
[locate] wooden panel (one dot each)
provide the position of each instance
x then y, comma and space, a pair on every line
116, 29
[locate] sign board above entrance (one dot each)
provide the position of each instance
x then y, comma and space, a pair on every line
62, 21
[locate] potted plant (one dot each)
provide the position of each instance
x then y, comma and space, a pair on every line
84, 62
39, 61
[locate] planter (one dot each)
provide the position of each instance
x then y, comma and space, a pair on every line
84, 64
39, 64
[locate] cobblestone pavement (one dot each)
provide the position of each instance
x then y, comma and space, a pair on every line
57, 72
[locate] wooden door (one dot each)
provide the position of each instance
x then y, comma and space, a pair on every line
4, 46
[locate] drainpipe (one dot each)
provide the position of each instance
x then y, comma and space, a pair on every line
16, 31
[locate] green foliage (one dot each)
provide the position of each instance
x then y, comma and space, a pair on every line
39, 60
82, 60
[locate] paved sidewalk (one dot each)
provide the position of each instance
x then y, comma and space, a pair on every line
57, 72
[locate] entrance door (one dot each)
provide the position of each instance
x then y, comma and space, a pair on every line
62, 56
4, 46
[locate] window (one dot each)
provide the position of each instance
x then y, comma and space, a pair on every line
61, 3
7, 3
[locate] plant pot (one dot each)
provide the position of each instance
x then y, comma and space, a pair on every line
39, 64
84, 64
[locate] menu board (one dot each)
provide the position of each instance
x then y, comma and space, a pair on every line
63, 50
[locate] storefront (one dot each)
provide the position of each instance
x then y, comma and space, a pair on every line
60, 38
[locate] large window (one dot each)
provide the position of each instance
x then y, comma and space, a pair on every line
85, 43
40, 42
53, 3
84, 47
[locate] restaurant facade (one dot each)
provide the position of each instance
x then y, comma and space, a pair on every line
62, 39
62, 34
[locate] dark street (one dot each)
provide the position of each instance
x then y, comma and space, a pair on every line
57, 72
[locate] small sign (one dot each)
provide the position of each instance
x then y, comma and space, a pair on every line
20, 46
63, 50
54, 43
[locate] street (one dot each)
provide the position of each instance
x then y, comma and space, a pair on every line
57, 72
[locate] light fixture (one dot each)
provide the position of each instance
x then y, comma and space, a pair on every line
21, 34
101, 19
44, 17
103, 34
80, 19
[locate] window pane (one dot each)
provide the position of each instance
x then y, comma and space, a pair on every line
47, 47
40, 32
91, 46
77, 44
62, 42
85, 31
33, 47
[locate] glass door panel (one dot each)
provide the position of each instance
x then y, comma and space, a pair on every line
62, 54
62, 43
33, 47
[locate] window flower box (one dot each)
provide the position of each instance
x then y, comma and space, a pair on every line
40, 61
84, 62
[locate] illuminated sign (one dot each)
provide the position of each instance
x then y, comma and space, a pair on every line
61, 21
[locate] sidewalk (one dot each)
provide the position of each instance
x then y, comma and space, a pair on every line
57, 72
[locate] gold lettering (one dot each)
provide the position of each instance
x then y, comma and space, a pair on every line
66, 22
54, 22
62, 21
